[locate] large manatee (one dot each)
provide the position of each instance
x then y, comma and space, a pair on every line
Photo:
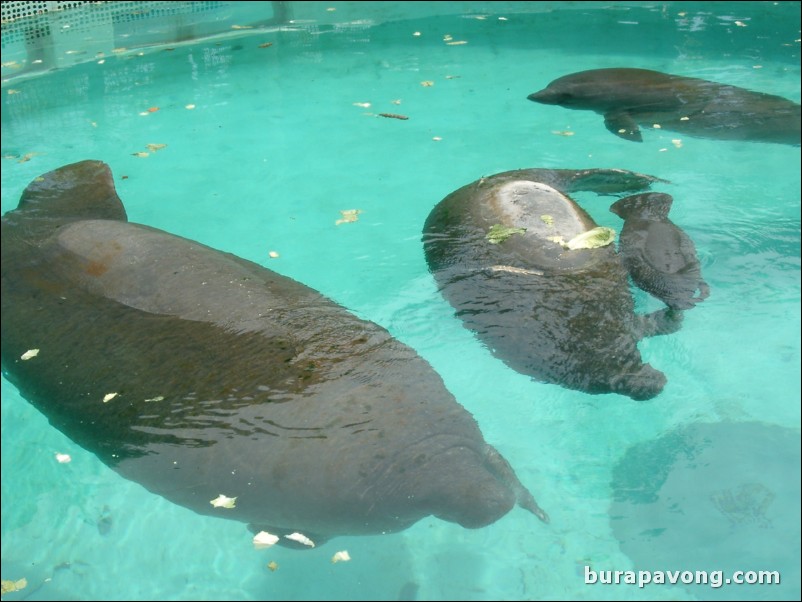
196, 373
697, 107
507, 253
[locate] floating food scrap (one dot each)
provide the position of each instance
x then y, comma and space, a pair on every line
364, 105
562, 132
447, 38
416, 34
456, 43
221, 501
190, 107
394, 116
397, 101
152, 109
27, 157
453, 76
657, 126
266, 45
436, 138
427, 83
273, 255
13, 91
341, 556
592, 239
29, 354
263, 539
348, 216
15, 64
547, 219
6, 587
740, 24
300, 538
684, 118
157, 398
141, 154
272, 565
155, 147
499, 233
242, 27
677, 142
63, 458
108, 397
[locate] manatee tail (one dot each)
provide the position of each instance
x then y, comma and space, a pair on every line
78, 191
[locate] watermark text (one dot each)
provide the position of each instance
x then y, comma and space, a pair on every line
714, 579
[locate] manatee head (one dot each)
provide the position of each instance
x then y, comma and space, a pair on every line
648, 205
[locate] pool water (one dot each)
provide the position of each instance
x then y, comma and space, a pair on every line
267, 144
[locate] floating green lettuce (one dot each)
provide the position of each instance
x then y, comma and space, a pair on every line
499, 233
592, 239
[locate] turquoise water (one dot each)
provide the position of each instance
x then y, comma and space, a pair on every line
275, 147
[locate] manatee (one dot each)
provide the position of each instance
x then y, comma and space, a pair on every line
660, 257
716, 497
199, 374
499, 249
697, 107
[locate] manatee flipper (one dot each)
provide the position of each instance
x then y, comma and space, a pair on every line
660, 322
622, 125
608, 181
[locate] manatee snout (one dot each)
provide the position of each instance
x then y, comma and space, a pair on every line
475, 487
465, 491
548, 97
642, 384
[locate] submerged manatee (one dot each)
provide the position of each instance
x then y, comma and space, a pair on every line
660, 257
713, 497
697, 107
500, 250
196, 373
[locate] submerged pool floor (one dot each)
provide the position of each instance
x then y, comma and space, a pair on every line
255, 145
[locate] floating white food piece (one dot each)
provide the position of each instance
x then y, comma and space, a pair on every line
273, 255
364, 105
300, 538
29, 354
263, 539
108, 397
348, 216
221, 501
13, 586
341, 556
677, 142
63, 458
189, 106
